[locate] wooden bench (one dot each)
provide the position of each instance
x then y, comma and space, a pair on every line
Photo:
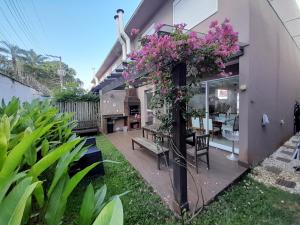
86, 128
145, 143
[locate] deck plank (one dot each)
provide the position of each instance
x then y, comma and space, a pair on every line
221, 174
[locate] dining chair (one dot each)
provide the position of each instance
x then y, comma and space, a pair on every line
202, 149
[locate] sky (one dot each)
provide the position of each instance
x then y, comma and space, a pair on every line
82, 32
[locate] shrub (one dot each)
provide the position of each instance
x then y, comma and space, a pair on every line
72, 92
37, 149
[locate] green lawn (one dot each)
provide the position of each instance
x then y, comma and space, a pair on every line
246, 203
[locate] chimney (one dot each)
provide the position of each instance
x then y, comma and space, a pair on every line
122, 42
120, 13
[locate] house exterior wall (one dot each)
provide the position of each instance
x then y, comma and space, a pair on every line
10, 88
112, 102
269, 69
273, 82
164, 15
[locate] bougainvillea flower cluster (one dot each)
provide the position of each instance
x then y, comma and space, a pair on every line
204, 55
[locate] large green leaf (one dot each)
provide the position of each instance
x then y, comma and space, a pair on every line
39, 194
8, 181
76, 179
60, 194
62, 166
4, 138
15, 156
12, 107
49, 159
100, 196
12, 207
31, 154
56, 206
87, 206
18, 214
111, 214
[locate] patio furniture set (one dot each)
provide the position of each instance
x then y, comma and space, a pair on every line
217, 124
158, 143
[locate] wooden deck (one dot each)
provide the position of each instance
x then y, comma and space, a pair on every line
221, 174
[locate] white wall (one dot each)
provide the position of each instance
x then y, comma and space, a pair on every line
10, 88
193, 12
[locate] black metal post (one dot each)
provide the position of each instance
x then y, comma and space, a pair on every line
179, 136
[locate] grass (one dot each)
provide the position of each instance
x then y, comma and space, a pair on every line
247, 202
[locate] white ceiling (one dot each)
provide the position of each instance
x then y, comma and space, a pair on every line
289, 13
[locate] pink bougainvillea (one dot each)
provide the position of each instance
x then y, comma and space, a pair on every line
196, 50
134, 32
204, 55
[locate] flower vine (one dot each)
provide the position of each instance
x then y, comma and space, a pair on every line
204, 55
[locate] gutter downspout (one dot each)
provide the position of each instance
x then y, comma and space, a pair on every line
120, 13
120, 39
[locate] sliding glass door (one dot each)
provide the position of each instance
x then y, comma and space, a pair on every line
217, 104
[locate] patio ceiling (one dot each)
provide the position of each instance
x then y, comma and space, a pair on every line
289, 13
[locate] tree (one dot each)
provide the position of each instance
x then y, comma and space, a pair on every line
14, 52
33, 62
33, 65
34, 59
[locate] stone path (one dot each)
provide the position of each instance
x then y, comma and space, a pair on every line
278, 169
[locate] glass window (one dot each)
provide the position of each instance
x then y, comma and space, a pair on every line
149, 95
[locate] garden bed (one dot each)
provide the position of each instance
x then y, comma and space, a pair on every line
247, 202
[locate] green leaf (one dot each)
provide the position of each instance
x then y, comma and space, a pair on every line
57, 205
111, 214
18, 213
45, 147
50, 158
13, 206
12, 107
8, 181
31, 154
62, 166
100, 196
15, 156
39, 195
76, 179
87, 206
4, 138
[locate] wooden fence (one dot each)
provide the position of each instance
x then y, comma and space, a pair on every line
87, 114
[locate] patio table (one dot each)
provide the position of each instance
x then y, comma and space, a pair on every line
154, 130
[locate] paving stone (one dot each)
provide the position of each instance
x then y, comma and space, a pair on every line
283, 159
287, 152
286, 183
273, 169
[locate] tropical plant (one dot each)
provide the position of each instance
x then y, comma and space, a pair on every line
34, 59
37, 150
19, 64
14, 52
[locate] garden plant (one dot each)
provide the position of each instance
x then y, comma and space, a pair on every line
37, 150
203, 54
